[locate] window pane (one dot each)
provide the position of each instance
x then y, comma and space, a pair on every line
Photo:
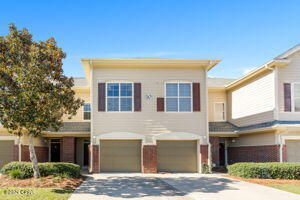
126, 104
112, 104
219, 112
113, 89
126, 89
87, 115
297, 90
172, 104
185, 89
87, 107
297, 104
172, 89
185, 104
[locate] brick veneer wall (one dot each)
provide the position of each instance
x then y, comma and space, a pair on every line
94, 162
42, 153
214, 141
68, 149
16, 153
267, 153
150, 159
204, 153
284, 158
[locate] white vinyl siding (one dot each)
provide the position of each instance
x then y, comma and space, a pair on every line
254, 98
288, 74
149, 122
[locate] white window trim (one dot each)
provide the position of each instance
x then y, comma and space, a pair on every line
132, 96
87, 111
293, 96
165, 98
224, 120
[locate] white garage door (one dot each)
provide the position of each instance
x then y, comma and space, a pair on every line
293, 150
6, 152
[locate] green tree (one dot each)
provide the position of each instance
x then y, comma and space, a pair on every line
34, 92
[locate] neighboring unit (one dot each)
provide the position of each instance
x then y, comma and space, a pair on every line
263, 115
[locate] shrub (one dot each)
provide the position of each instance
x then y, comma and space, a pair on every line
16, 174
24, 167
205, 168
273, 170
56, 169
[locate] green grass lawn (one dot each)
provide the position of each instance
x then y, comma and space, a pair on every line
35, 193
288, 187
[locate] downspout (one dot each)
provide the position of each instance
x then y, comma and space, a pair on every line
92, 138
207, 123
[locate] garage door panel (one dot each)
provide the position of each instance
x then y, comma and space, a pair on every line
120, 155
177, 156
293, 150
6, 152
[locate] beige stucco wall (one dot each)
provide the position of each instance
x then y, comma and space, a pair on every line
253, 140
149, 122
213, 97
288, 74
84, 95
254, 102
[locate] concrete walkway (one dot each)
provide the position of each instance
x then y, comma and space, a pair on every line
173, 187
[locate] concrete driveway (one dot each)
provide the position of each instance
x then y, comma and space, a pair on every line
173, 187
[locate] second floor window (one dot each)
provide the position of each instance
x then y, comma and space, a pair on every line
219, 111
178, 97
297, 97
119, 97
87, 111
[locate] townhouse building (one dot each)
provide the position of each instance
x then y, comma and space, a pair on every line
167, 115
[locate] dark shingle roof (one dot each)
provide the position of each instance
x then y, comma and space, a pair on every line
221, 127
228, 127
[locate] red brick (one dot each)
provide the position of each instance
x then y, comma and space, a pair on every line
42, 153
68, 149
267, 153
214, 141
94, 153
16, 153
150, 159
284, 156
204, 153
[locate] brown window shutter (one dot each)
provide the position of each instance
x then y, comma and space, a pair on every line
196, 97
287, 97
101, 97
137, 97
160, 104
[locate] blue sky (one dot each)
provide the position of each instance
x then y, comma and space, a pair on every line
243, 33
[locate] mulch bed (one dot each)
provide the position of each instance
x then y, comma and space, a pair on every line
43, 182
266, 181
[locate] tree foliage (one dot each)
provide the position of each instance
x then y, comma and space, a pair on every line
34, 92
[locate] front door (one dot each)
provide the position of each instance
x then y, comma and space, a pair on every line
222, 154
55, 152
86, 154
